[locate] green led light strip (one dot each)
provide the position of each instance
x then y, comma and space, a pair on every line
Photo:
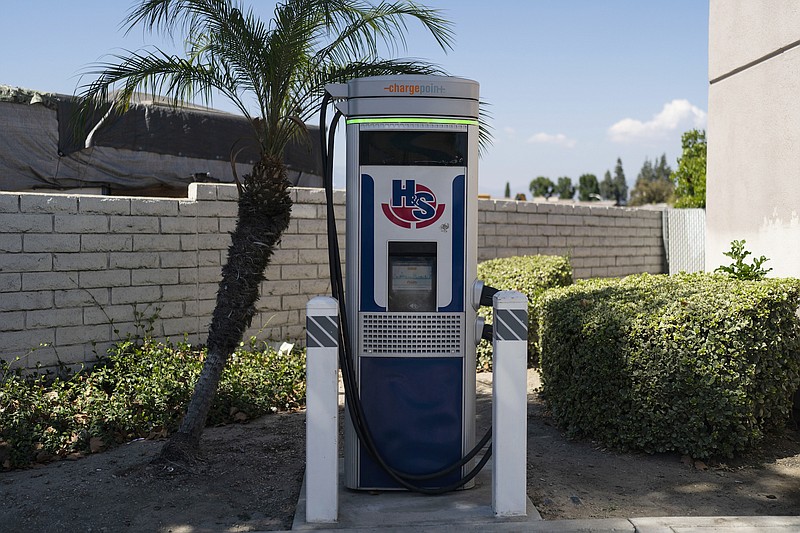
412, 120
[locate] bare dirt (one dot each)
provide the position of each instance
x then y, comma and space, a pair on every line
252, 474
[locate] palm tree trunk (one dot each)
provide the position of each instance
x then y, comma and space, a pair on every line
264, 211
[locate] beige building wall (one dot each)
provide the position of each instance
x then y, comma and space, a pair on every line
753, 175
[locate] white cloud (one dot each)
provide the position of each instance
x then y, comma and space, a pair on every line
677, 115
558, 139
508, 134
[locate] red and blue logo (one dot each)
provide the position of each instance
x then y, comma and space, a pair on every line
413, 205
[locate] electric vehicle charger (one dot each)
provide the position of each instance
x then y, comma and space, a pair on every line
345, 358
410, 481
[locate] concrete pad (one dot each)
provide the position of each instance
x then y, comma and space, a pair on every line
462, 510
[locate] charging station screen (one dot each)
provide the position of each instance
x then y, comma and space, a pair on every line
412, 277
413, 147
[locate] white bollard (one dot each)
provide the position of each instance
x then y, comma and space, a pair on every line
322, 410
509, 404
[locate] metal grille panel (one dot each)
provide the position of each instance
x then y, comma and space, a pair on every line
411, 333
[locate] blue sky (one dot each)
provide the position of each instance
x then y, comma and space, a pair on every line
573, 84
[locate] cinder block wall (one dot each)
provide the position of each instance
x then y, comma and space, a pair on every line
76, 271
600, 241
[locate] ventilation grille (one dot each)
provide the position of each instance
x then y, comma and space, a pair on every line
411, 333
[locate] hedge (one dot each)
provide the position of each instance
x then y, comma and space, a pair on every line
698, 364
531, 275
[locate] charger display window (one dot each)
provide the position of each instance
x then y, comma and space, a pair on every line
412, 277
416, 148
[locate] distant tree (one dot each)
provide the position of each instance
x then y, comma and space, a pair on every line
653, 184
508, 190
564, 189
542, 186
690, 177
651, 192
588, 186
646, 173
607, 187
662, 170
620, 185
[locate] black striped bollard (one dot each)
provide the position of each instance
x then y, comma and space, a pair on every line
322, 410
509, 404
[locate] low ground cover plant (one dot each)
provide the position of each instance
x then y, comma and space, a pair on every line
531, 275
698, 364
139, 389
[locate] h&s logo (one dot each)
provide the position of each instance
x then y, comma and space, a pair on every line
412, 205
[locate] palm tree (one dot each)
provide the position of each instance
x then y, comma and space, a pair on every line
280, 69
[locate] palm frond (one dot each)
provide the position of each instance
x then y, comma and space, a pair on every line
168, 16
281, 67
485, 136
154, 73
358, 36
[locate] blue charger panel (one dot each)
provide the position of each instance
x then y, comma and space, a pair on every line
413, 406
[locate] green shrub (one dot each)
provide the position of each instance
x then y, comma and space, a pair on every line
140, 389
741, 270
531, 275
699, 364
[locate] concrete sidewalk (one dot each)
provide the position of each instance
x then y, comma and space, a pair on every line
470, 511
710, 524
